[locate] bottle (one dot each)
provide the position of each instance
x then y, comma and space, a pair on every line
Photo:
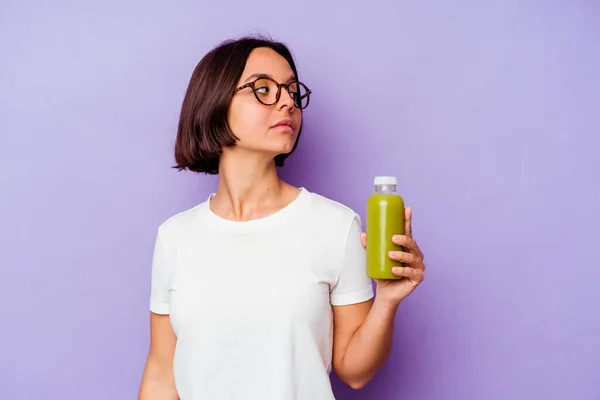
385, 218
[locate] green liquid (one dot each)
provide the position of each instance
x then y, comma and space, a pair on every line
385, 218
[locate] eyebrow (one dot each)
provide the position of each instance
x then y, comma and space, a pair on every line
263, 75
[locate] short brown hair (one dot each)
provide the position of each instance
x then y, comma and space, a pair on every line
203, 129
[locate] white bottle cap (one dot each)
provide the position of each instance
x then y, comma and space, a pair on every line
386, 180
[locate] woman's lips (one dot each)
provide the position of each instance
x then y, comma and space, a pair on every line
284, 125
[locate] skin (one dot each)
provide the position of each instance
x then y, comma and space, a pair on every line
249, 188
363, 332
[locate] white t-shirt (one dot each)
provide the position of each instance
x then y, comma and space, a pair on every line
250, 302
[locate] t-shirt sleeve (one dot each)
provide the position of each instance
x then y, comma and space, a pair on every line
353, 285
159, 293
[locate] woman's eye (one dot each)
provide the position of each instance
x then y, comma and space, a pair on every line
262, 89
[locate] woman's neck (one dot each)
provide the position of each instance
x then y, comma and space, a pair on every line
249, 189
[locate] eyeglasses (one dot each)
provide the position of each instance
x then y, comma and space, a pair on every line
268, 91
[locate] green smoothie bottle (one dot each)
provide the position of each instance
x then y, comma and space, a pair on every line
385, 218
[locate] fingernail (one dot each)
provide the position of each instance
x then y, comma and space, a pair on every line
396, 237
396, 270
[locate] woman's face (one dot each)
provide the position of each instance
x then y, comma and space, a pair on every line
255, 124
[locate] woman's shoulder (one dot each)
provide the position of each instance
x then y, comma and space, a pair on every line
182, 221
330, 209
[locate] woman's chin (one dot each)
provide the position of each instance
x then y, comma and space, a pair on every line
285, 148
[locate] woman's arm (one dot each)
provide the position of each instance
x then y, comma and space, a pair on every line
363, 332
362, 340
158, 382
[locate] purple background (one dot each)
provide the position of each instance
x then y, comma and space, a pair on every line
488, 112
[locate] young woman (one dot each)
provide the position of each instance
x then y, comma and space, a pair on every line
259, 291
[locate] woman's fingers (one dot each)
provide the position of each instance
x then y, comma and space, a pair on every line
408, 221
409, 244
404, 257
414, 274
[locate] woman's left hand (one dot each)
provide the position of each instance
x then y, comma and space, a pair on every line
393, 291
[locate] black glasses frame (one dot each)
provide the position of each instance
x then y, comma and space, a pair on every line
297, 101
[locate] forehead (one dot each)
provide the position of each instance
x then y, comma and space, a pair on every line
264, 60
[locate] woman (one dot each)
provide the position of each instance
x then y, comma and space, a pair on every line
259, 291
